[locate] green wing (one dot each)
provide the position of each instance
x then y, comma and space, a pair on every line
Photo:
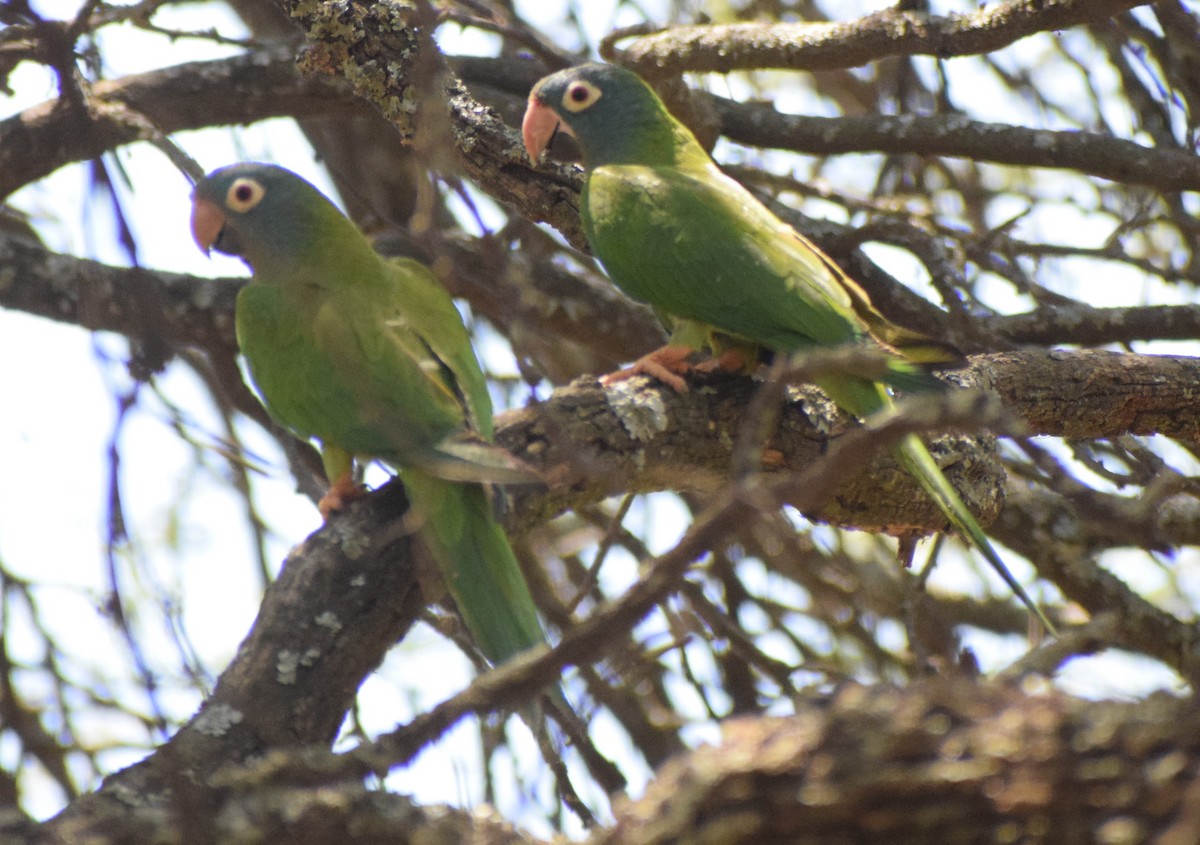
691, 245
433, 316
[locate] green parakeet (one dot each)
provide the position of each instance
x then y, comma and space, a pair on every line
672, 230
370, 357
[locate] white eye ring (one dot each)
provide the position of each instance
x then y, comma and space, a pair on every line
244, 194
579, 95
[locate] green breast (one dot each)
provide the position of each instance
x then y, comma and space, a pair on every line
298, 384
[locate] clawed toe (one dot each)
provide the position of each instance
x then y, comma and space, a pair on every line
667, 364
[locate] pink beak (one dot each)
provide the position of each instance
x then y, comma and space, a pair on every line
538, 127
207, 222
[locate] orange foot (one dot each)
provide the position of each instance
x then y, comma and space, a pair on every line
666, 364
342, 492
729, 361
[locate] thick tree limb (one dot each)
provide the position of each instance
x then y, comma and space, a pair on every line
639, 437
96, 296
653, 438
1099, 393
345, 597
858, 767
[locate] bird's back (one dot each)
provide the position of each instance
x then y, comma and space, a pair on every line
697, 245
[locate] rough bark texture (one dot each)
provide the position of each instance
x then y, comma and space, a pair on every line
344, 597
947, 761
858, 767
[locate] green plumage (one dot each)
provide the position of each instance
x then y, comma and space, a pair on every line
674, 231
370, 357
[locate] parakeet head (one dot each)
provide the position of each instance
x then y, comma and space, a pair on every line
613, 114
260, 212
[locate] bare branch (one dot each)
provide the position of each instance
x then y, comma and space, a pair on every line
891, 32
188, 96
1049, 533
955, 135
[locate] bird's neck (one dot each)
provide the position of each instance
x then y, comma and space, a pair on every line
646, 140
321, 253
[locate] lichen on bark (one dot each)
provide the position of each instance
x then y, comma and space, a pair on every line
373, 46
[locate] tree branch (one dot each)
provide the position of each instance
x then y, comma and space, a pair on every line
955, 135
1088, 326
948, 759
345, 596
859, 765
243, 89
891, 32
652, 439
1052, 534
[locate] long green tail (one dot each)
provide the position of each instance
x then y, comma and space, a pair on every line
914, 456
861, 398
478, 564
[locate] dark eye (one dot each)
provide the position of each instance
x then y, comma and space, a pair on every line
244, 194
579, 96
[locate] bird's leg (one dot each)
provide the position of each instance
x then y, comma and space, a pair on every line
666, 364
342, 492
343, 488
